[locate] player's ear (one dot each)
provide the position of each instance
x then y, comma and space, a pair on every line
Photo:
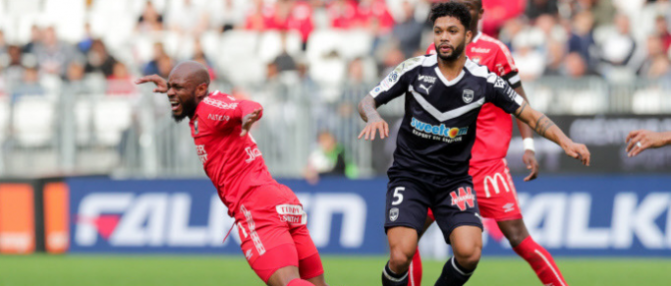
469, 36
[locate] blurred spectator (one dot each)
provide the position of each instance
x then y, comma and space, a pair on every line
554, 58
655, 50
603, 10
497, 12
343, 14
284, 15
619, 47
3, 44
374, 15
99, 60
536, 8
228, 14
164, 66
391, 59
152, 66
662, 30
581, 40
355, 72
660, 68
120, 81
75, 72
409, 31
528, 59
150, 20
199, 56
187, 18
328, 159
257, 19
284, 61
35, 39
53, 55
29, 85
85, 44
575, 66
15, 68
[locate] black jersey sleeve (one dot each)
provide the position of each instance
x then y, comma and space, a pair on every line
502, 95
396, 83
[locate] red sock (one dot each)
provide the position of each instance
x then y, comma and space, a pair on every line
299, 282
541, 261
415, 271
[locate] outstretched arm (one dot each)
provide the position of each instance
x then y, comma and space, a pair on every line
546, 128
161, 83
369, 114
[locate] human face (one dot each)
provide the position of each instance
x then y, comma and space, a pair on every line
182, 96
450, 38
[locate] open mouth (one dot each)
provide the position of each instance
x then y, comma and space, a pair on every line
175, 105
445, 49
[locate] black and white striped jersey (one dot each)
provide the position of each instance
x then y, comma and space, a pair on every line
438, 128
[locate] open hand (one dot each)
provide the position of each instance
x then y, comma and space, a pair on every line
374, 126
248, 120
529, 159
577, 151
640, 140
161, 84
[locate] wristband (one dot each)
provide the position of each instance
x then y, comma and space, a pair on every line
529, 144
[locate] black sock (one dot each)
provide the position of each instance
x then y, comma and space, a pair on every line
389, 278
453, 274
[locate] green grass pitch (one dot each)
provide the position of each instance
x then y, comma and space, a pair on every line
73, 270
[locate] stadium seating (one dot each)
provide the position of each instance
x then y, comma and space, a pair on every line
33, 121
4, 119
83, 117
111, 117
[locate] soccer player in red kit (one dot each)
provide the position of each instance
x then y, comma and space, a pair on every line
494, 187
270, 219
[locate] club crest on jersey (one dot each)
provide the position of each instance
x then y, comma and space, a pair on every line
468, 95
463, 198
393, 214
500, 83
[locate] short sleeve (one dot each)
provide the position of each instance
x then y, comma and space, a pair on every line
396, 83
501, 94
227, 113
506, 68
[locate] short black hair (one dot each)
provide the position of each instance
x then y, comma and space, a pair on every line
451, 9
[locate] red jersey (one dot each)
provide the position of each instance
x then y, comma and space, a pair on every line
494, 126
233, 163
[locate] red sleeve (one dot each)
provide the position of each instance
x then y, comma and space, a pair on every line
431, 49
225, 112
505, 66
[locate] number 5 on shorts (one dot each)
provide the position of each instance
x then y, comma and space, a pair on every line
398, 197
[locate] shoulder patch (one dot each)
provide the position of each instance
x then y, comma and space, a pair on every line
408, 64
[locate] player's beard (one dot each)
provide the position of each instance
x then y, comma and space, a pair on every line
456, 53
188, 109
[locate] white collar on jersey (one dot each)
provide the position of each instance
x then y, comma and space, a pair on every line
477, 37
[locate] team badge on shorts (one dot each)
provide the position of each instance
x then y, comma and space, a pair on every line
393, 214
468, 95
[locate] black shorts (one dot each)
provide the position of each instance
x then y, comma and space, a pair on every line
452, 201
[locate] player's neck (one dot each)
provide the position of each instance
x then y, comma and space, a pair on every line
451, 69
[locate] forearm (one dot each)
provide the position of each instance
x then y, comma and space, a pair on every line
543, 125
666, 137
368, 109
247, 106
525, 130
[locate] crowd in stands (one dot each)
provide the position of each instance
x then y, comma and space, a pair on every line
613, 39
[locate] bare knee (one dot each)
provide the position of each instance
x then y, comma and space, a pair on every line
468, 256
400, 258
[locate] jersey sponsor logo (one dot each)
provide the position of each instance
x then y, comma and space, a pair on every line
252, 153
500, 83
476, 59
293, 214
463, 198
427, 79
494, 182
393, 214
480, 50
220, 104
421, 86
376, 91
442, 132
260, 248
468, 95
218, 117
202, 154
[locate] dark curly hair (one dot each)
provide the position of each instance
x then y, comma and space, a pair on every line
451, 9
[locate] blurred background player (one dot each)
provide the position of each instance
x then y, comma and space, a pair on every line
444, 94
494, 187
270, 219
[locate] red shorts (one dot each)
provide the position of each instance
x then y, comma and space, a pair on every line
495, 192
272, 227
